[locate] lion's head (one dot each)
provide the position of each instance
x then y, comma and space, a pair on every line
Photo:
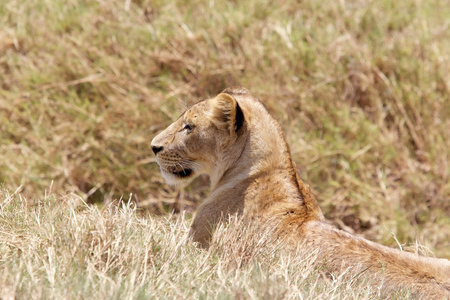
201, 140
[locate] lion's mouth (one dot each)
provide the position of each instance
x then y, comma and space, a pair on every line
183, 173
178, 169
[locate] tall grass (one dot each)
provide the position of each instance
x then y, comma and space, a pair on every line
66, 249
361, 89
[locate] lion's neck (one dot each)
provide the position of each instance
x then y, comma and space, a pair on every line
230, 163
261, 149
262, 164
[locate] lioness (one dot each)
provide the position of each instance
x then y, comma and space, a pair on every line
234, 140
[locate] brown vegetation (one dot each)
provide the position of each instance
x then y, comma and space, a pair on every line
360, 88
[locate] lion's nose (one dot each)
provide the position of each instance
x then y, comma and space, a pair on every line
157, 149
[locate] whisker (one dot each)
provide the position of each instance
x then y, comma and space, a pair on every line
171, 164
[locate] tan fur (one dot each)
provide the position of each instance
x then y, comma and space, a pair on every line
234, 140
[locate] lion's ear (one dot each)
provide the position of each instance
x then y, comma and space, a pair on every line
227, 113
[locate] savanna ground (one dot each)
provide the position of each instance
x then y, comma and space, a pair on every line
361, 89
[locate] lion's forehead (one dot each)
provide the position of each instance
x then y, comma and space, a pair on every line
198, 109
198, 114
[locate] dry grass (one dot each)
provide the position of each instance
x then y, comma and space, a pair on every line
65, 249
361, 89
